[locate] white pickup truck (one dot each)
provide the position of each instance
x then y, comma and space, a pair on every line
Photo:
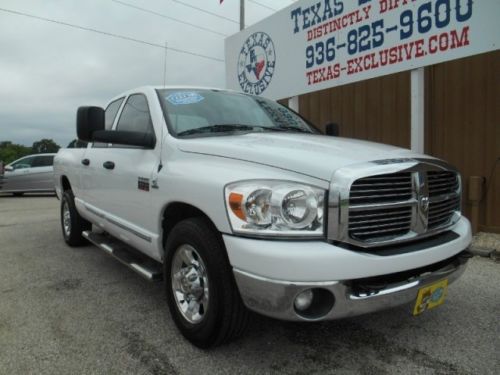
239, 204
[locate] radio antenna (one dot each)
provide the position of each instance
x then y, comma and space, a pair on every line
165, 66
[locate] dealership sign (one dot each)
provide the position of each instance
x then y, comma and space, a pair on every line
317, 44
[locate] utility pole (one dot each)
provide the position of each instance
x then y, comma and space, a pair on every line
242, 14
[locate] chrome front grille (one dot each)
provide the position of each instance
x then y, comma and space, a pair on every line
386, 202
442, 182
385, 222
381, 188
444, 200
440, 213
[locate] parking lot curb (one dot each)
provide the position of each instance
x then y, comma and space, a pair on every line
481, 251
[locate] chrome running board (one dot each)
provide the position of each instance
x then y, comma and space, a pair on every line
146, 267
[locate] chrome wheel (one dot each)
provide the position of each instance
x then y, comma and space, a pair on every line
189, 280
66, 218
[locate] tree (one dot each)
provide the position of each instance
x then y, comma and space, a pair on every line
10, 151
45, 146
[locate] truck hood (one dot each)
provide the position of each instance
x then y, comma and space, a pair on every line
313, 155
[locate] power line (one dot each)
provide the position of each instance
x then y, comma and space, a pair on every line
167, 17
206, 11
263, 5
108, 34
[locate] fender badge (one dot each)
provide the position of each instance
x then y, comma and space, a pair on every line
143, 184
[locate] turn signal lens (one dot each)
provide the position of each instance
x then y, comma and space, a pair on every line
235, 201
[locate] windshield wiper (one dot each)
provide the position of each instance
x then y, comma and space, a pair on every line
294, 128
222, 128
216, 129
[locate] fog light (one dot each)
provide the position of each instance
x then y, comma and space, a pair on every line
304, 300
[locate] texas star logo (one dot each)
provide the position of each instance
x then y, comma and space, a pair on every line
256, 63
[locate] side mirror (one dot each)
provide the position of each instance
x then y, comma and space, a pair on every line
332, 129
120, 137
8, 168
88, 121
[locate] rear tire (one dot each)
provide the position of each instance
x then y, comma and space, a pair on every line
72, 224
195, 250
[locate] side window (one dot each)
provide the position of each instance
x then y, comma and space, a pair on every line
23, 163
43, 161
109, 119
135, 115
110, 114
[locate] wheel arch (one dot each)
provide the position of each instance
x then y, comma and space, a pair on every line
175, 212
65, 184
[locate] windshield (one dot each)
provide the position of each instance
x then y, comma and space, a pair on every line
195, 113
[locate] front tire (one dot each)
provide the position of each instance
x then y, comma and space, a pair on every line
201, 292
72, 224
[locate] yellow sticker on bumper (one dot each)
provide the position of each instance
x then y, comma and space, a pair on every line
430, 296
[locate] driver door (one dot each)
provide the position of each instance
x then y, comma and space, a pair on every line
19, 179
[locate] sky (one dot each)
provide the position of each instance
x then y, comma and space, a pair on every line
48, 70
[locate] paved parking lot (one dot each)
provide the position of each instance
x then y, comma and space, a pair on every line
77, 311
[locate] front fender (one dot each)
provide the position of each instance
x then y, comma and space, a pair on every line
199, 180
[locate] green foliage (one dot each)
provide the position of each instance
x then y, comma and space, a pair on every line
10, 151
44, 146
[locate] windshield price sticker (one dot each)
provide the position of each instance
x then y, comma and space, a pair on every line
326, 43
184, 97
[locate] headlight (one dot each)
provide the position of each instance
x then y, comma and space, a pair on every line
275, 208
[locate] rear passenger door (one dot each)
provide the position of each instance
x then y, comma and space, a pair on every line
19, 178
90, 192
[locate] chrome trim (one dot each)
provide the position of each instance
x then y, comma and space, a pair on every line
275, 298
130, 230
92, 211
392, 289
120, 225
339, 204
376, 206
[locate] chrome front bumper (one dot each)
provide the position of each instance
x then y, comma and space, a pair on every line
275, 298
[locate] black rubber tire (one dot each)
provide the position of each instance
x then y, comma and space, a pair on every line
227, 317
17, 194
78, 223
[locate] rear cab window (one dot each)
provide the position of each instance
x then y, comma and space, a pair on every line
135, 117
109, 119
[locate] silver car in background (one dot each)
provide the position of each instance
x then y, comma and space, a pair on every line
30, 174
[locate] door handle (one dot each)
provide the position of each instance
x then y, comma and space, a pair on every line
109, 165
85, 161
